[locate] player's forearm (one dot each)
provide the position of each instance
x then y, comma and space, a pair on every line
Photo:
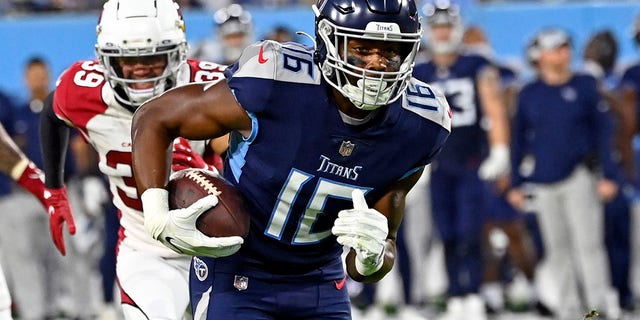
498, 123
54, 141
151, 143
499, 135
11, 154
494, 108
388, 257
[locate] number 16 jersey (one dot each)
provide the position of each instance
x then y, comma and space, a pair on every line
302, 160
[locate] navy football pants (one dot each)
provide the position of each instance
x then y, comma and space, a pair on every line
457, 203
218, 298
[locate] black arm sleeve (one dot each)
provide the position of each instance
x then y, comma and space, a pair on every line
54, 141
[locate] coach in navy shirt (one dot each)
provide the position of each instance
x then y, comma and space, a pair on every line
561, 140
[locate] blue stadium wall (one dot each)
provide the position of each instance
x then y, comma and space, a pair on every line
65, 38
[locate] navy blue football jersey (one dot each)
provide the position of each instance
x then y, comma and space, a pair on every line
467, 146
561, 127
301, 162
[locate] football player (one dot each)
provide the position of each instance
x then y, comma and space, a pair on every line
141, 50
599, 59
15, 164
568, 188
477, 150
501, 218
629, 89
325, 143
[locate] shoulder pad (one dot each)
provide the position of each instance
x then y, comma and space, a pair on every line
427, 102
79, 91
88, 73
198, 71
290, 62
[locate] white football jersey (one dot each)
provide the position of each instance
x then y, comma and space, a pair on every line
84, 99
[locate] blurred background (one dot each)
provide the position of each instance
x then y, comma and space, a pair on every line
63, 31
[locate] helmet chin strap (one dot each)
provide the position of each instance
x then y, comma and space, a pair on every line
367, 97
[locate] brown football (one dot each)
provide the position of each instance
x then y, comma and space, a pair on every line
228, 218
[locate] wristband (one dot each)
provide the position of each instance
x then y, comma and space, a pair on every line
19, 168
501, 150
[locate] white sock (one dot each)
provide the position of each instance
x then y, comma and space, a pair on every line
493, 295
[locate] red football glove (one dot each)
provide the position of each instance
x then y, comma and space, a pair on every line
184, 157
32, 180
59, 212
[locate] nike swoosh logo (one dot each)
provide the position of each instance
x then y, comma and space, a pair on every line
340, 284
171, 244
261, 59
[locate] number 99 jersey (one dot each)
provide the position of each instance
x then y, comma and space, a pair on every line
83, 99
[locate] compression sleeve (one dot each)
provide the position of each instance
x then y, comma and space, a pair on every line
54, 141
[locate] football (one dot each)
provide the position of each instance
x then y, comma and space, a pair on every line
228, 218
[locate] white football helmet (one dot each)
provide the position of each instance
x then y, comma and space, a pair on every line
140, 28
443, 13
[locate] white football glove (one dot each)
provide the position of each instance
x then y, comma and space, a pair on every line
365, 230
177, 230
496, 165
94, 195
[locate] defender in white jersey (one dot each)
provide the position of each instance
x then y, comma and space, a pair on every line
141, 49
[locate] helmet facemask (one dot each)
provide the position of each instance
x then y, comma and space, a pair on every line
141, 34
366, 89
171, 56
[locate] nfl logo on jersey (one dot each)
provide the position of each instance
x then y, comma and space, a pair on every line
241, 282
346, 148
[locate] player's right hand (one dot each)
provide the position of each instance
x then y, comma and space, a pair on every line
59, 209
177, 230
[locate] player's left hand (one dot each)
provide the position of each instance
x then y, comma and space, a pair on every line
365, 230
497, 164
184, 157
57, 204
